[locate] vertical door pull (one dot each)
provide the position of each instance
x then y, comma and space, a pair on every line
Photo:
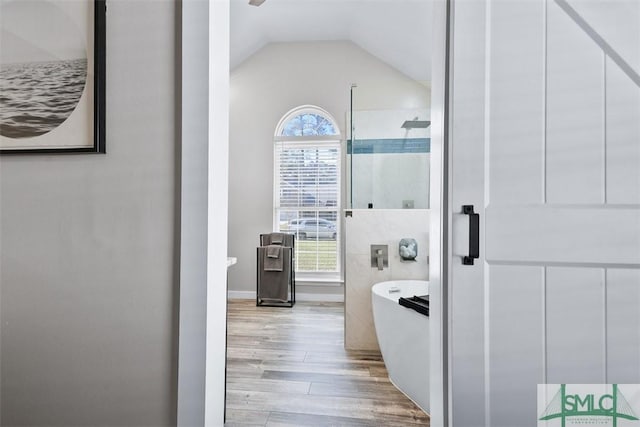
474, 235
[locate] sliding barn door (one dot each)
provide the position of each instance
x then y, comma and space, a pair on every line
545, 146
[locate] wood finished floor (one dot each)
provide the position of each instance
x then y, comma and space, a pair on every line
288, 367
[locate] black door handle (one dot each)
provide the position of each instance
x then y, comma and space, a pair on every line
474, 235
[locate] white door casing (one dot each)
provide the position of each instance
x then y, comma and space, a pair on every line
545, 143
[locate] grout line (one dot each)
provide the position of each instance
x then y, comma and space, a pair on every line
487, 108
487, 343
544, 325
604, 128
604, 321
488, 35
544, 102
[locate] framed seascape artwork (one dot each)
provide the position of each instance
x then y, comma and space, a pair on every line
52, 76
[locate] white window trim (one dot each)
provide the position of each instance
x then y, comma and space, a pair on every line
316, 278
306, 109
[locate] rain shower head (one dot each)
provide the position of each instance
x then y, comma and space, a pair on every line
414, 124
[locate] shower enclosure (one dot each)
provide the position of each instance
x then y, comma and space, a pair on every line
388, 146
387, 194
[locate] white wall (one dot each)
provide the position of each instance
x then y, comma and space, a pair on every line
368, 227
88, 261
276, 79
372, 124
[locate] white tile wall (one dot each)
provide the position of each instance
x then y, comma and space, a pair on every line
368, 227
387, 179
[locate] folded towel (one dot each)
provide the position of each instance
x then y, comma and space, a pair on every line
273, 258
273, 251
274, 285
277, 238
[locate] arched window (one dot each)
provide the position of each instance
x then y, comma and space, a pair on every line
307, 189
308, 124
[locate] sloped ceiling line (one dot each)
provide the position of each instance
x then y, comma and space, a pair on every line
395, 31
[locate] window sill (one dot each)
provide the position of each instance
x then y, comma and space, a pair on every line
317, 281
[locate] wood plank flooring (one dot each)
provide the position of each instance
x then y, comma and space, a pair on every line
288, 367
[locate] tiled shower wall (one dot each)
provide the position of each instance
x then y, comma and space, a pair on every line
366, 227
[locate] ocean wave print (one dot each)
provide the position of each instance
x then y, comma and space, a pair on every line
37, 97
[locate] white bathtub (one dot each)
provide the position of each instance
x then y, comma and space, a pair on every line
403, 336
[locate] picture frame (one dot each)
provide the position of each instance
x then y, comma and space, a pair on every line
52, 76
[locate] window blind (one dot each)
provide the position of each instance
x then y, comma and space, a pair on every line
307, 198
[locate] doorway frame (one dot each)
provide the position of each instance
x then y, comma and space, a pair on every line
205, 330
202, 40
440, 224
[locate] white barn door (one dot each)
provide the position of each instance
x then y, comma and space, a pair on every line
545, 144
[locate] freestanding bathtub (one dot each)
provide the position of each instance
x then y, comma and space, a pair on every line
403, 336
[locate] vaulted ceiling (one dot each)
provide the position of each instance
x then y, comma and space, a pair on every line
396, 31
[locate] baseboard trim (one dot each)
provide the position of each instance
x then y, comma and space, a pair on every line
299, 296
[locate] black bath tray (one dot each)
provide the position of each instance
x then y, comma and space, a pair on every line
417, 303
